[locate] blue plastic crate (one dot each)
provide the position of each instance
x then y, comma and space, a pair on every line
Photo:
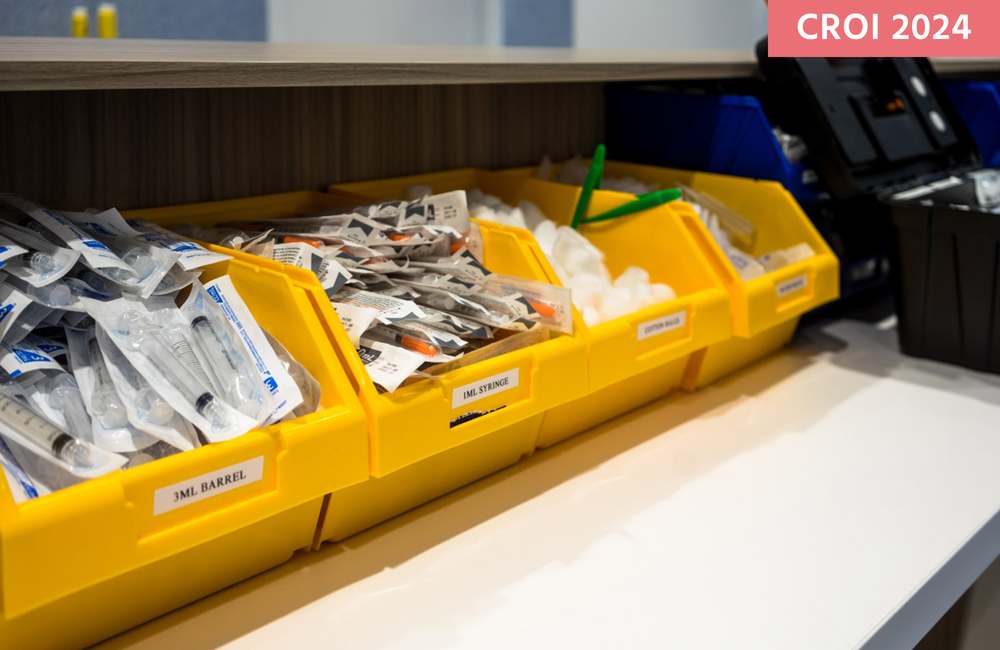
723, 134
978, 103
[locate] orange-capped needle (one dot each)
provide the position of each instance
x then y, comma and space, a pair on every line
291, 239
543, 308
400, 237
413, 344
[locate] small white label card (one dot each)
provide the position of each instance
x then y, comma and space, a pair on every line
662, 325
201, 487
484, 388
796, 283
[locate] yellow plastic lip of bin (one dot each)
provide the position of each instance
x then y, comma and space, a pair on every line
81, 536
697, 318
776, 297
413, 423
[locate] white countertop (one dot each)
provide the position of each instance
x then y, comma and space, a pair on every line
837, 495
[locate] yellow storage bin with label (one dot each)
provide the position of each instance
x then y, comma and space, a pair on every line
414, 453
92, 560
633, 359
765, 311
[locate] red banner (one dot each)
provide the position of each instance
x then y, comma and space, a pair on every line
835, 28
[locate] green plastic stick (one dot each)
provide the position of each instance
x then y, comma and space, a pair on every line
594, 175
644, 202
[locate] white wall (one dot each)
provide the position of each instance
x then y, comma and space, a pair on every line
384, 22
669, 24
600, 24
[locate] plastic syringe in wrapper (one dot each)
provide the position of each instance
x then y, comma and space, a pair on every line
413, 289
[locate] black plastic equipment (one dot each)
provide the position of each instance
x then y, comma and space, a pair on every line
885, 126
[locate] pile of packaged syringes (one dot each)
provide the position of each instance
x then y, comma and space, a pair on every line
113, 353
407, 280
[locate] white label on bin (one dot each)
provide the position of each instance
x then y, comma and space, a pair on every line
484, 388
207, 485
662, 325
788, 286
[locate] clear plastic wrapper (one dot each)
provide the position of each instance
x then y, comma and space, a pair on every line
32, 315
346, 228
281, 391
22, 487
95, 254
193, 255
441, 339
63, 294
79, 457
147, 410
415, 342
388, 365
331, 273
449, 209
12, 304
388, 309
175, 279
464, 327
145, 347
25, 357
227, 363
58, 398
43, 263
9, 250
729, 219
462, 264
110, 425
309, 388
149, 263
356, 319
497, 348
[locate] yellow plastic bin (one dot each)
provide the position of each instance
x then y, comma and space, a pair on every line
765, 311
92, 560
633, 359
415, 454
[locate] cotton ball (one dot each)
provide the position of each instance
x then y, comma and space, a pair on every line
492, 201
616, 303
631, 276
515, 218
577, 254
532, 215
561, 273
475, 195
588, 289
484, 213
545, 235
662, 293
592, 317
642, 295
416, 191
627, 185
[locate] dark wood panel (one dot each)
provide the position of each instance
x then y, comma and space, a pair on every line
143, 148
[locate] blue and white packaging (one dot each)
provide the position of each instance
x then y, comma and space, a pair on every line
193, 255
43, 263
283, 394
95, 254
12, 303
22, 488
24, 357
